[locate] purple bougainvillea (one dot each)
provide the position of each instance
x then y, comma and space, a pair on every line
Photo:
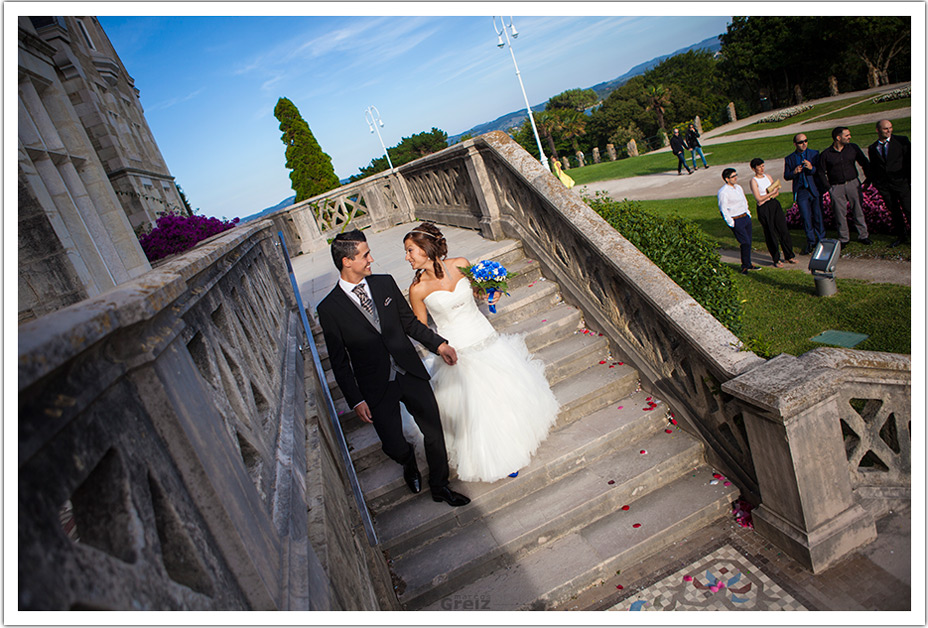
879, 218
175, 233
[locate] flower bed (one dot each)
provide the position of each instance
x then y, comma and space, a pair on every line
896, 94
783, 114
878, 217
176, 232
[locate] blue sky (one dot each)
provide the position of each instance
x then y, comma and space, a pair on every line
209, 83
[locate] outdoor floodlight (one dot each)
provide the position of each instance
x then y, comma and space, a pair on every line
822, 265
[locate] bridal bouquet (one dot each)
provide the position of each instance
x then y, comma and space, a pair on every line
488, 276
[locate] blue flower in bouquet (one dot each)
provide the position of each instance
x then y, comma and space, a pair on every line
488, 276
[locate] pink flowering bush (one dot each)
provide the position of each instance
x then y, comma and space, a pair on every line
879, 218
175, 233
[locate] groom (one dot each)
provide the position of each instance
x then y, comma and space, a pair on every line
367, 322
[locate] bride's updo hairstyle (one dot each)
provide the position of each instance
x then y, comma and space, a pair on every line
429, 238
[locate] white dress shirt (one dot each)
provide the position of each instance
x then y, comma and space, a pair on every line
347, 286
732, 202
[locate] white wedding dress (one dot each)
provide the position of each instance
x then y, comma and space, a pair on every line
496, 405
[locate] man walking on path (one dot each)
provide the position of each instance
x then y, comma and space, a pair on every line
800, 168
692, 140
891, 174
733, 205
840, 170
678, 146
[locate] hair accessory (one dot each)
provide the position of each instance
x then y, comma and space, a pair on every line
431, 235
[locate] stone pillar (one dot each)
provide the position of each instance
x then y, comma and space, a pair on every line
490, 226
665, 141
833, 85
565, 164
732, 117
792, 421
596, 159
580, 158
697, 122
610, 150
797, 93
632, 148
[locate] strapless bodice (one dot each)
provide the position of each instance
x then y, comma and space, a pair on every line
457, 318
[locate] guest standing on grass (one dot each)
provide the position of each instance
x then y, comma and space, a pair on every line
734, 208
891, 174
692, 140
770, 214
839, 167
678, 146
800, 168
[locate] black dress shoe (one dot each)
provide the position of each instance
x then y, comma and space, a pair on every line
445, 494
844, 243
412, 476
805, 251
866, 241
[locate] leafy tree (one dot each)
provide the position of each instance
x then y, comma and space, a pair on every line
408, 149
576, 99
548, 123
878, 40
573, 125
311, 171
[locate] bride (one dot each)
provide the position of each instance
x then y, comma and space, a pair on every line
496, 405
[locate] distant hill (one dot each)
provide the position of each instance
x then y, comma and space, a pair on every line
264, 212
515, 118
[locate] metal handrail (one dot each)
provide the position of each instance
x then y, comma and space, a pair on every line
330, 405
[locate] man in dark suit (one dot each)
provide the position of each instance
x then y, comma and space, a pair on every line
891, 174
367, 323
800, 167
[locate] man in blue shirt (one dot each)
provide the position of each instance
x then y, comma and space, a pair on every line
800, 168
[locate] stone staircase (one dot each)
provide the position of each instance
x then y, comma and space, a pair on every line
570, 518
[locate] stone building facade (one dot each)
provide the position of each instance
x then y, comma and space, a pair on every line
90, 172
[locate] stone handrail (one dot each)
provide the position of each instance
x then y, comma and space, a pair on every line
162, 437
720, 392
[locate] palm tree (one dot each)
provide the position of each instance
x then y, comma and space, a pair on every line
658, 96
547, 123
573, 125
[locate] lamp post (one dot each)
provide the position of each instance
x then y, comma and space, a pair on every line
372, 116
500, 43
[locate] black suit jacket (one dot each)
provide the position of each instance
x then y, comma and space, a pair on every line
360, 355
896, 170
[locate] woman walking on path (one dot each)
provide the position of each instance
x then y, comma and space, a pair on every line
770, 214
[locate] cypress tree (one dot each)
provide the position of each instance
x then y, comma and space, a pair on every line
311, 170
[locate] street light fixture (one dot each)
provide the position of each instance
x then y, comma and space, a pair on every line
372, 116
500, 32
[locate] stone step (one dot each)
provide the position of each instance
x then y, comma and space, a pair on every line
562, 359
555, 571
491, 541
523, 303
581, 394
545, 327
565, 450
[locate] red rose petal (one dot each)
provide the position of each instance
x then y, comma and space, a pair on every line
687, 578
600, 334
625, 507
672, 414
669, 431
544, 320
673, 421
648, 399
619, 587
716, 475
602, 361
726, 483
637, 525
612, 366
611, 482
620, 407
643, 451
621, 363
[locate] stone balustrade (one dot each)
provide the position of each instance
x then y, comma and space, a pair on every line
163, 444
687, 357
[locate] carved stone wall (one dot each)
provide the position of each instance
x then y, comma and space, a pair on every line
163, 446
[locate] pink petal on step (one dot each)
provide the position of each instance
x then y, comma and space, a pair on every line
620, 407
726, 484
625, 507
637, 525
687, 578
643, 451
619, 587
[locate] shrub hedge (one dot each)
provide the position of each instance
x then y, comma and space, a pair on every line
878, 217
176, 232
680, 249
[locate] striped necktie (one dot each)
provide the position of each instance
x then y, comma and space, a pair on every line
365, 300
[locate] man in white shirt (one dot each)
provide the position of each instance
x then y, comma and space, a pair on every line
733, 205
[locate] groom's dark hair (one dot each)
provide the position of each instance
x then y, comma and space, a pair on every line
346, 245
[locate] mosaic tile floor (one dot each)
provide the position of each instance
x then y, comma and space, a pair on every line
723, 580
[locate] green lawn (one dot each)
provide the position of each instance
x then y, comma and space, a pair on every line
871, 107
815, 112
768, 148
704, 211
782, 312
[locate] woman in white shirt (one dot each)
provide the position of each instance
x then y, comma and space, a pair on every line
770, 214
